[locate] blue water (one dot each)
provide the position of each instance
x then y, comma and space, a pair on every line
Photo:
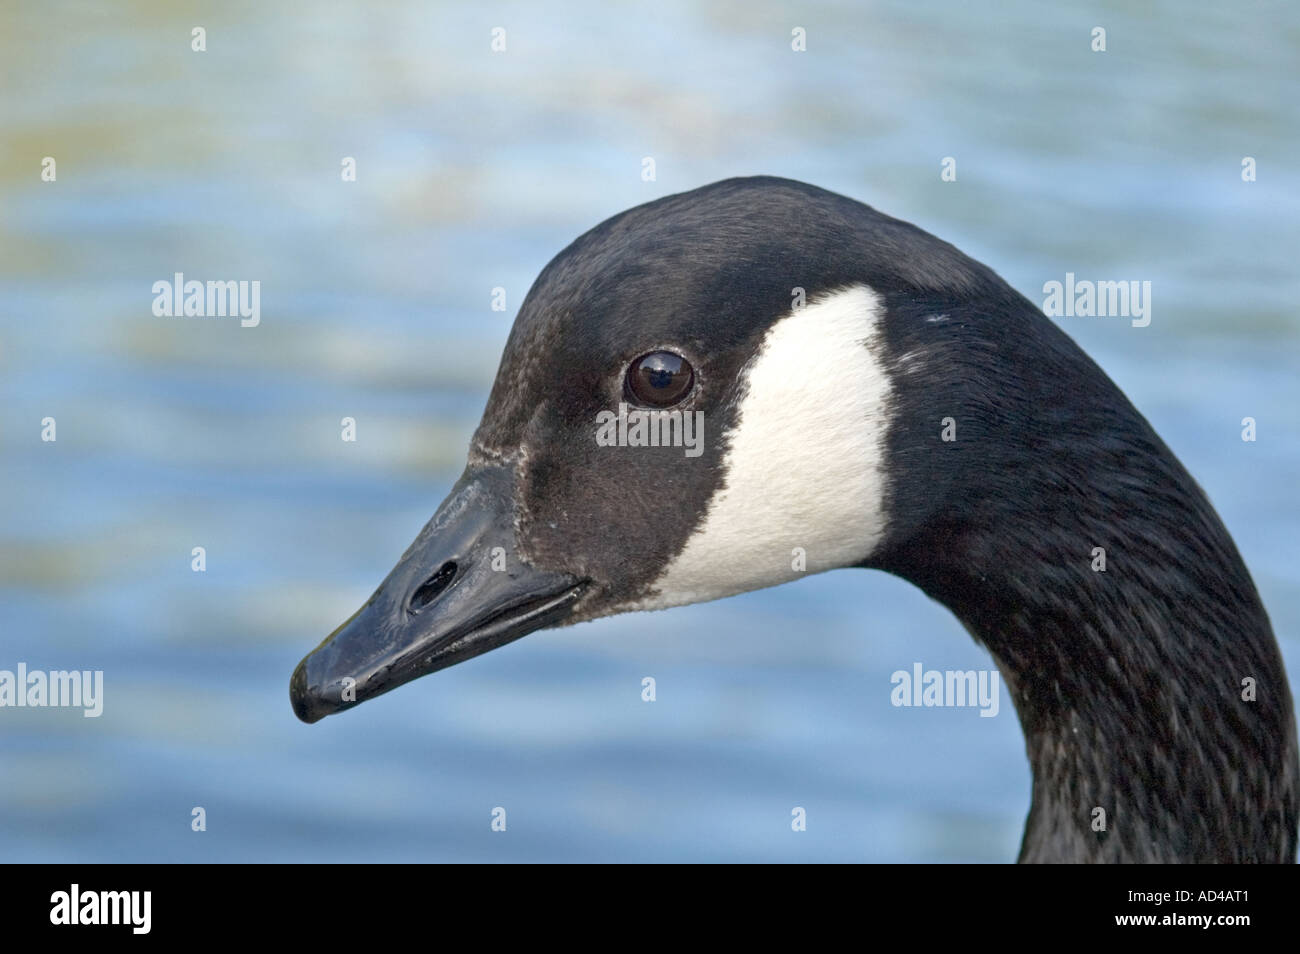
474, 168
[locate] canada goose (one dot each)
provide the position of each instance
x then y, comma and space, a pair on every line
826, 347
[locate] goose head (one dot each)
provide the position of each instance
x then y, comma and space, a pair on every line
734, 387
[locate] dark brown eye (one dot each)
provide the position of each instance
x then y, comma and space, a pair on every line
660, 378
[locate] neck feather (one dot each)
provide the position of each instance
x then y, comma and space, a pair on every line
1151, 691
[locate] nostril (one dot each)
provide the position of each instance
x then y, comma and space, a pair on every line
429, 590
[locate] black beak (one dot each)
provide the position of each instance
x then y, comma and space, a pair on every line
458, 591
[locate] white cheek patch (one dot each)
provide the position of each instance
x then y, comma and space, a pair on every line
805, 467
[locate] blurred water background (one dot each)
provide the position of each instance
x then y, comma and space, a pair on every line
474, 168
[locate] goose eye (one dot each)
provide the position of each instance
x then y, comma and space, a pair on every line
660, 378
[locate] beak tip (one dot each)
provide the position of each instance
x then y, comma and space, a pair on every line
307, 705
